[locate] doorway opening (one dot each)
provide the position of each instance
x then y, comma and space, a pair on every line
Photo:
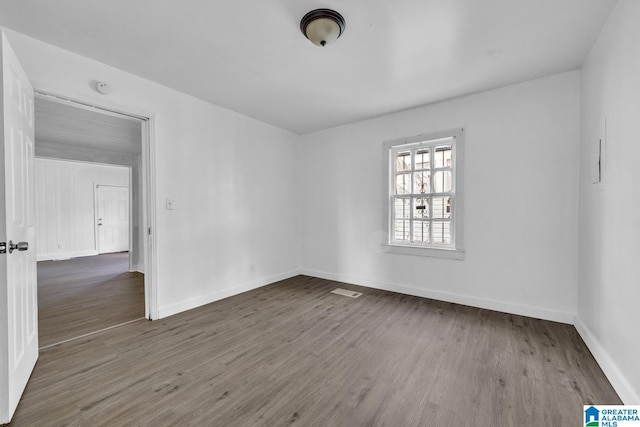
93, 218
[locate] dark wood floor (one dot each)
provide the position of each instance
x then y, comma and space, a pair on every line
293, 353
87, 294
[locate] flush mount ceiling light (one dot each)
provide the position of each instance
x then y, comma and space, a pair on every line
322, 26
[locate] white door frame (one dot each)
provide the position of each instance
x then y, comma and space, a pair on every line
148, 178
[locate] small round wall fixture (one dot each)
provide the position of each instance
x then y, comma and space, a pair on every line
322, 26
103, 88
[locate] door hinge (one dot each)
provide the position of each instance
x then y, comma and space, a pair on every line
3, 247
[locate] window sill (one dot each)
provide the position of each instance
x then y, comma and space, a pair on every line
457, 254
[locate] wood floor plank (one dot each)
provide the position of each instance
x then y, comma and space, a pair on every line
292, 353
87, 294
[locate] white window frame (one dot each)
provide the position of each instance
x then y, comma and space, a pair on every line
454, 250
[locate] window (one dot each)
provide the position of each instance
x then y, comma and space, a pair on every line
424, 195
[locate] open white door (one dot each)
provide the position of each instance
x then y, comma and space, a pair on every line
18, 286
113, 218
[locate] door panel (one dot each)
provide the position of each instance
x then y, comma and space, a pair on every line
19, 311
113, 218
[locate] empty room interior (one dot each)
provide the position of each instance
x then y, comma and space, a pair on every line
409, 213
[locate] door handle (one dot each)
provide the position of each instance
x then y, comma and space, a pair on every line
20, 246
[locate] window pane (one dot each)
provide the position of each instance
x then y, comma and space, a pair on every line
442, 156
421, 207
441, 232
442, 207
403, 183
421, 231
421, 183
423, 159
401, 230
442, 182
402, 208
403, 161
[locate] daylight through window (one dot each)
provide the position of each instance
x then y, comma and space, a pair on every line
422, 193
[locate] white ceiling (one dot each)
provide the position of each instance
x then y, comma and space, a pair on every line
61, 123
250, 56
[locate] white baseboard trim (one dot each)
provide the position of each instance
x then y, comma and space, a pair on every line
64, 255
172, 309
505, 307
136, 268
626, 392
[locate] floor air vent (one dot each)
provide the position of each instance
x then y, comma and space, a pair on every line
346, 293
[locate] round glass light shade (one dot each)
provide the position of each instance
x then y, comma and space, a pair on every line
322, 26
323, 31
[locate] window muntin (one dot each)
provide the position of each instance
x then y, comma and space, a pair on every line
422, 193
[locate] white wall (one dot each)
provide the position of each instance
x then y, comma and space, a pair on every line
609, 278
229, 175
65, 206
521, 204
